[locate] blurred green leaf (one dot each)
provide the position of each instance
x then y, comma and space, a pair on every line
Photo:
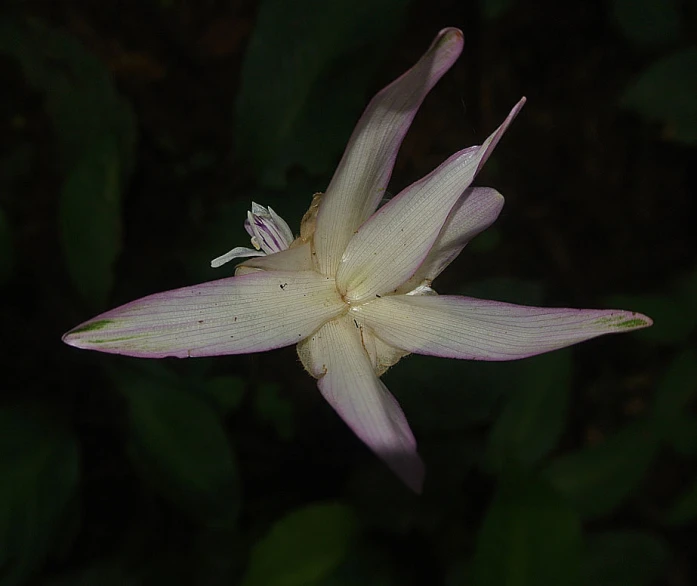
672, 319
685, 508
304, 79
180, 446
359, 571
678, 386
7, 259
18, 163
529, 537
676, 390
650, 22
598, 478
686, 292
622, 558
303, 547
535, 412
680, 433
90, 220
80, 96
39, 474
272, 408
102, 574
665, 92
365, 565
492, 9
226, 392
95, 131
448, 395
220, 557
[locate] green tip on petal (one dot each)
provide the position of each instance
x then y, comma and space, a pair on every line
621, 321
449, 35
635, 323
88, 327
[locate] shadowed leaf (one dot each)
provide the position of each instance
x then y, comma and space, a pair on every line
283, 115
39, 473
623, 558
665, 93
95, 133
684, 510
535, 412
649, 22
674, 393
90, 219
529, 537
302, 547
598, 478
179, 445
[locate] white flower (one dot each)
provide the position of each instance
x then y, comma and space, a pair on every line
353, 291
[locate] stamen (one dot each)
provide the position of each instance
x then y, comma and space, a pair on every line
269, 234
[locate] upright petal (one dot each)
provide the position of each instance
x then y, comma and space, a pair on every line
268, 230
473, 213
361, 178
476, 329
251, 313
389, 247
335, 355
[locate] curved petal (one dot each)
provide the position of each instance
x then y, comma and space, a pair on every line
389, 247
251, 313
295, 258
237, 252
476, 329
362, 176
474, 212
335, 355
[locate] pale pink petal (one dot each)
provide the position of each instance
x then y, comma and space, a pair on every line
334, 354
473, 213
476, 329
296, 258
361, 178
389, 247
251, 313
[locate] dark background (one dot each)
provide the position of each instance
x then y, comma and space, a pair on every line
134, 136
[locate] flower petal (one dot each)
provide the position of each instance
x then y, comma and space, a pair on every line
361, 178
476, 329
473, 213
251, 313
237, 252
335, 355
389, 247
296, 258
382, 356
268, 230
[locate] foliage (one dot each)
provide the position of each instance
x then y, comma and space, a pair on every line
94, 129
282, 117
